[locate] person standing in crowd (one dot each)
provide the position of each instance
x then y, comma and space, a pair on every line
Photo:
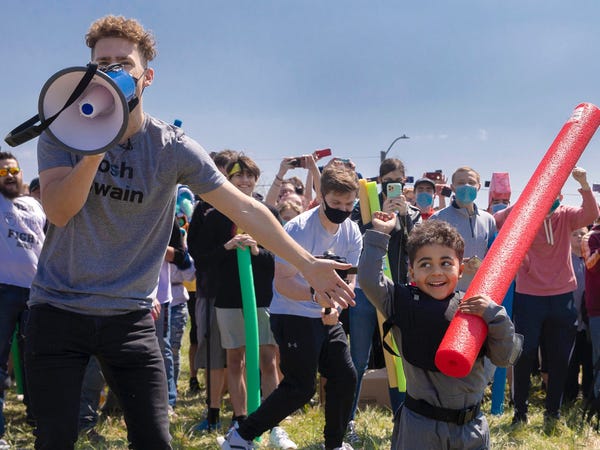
98, 269
22, 224
590, 250
210, 354
34, 189
581, 357
424, 193
218, 254
543, 308
476, 226
311, 338
363, 316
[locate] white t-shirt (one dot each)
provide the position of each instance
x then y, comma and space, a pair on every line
22, 231
307, 230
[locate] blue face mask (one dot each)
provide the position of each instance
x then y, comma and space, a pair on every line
498, 207
555, 205
424, 199
466, 194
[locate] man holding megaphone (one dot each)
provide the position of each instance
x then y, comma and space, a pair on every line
111, 213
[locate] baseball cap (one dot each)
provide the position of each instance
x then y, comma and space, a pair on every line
424, 180
34, 184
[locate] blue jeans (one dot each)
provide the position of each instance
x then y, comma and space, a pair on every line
163, 332
58, 346
178, 317
363, 320
13, 301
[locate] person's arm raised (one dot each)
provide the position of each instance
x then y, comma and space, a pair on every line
256, 220
65, 189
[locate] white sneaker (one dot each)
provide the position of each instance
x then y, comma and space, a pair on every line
280, 439
345, 446
4, 445
233, 441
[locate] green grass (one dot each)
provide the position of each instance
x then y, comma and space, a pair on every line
374, 426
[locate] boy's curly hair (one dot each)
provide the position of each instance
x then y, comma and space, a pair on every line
433, 232
120, 27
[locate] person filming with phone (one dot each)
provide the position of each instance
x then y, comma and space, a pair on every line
281, 186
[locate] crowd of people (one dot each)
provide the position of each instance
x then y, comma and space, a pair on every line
99, 290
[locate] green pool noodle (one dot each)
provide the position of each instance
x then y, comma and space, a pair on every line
376, 206
251, 329
16, 357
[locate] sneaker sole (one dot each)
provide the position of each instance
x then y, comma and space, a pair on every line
223, 443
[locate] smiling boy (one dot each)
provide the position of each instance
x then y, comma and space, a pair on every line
439, 411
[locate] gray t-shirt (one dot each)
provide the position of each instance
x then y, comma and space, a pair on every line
106, 260
307, 230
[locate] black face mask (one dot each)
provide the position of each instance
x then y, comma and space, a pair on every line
335, 215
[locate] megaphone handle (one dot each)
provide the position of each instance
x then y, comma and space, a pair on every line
28, 130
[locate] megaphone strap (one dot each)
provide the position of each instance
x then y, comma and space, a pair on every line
28, 130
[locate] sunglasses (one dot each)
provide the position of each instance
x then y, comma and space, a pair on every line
6, 170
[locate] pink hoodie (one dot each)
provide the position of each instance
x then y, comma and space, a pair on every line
547, 268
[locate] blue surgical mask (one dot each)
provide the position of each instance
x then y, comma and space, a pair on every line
424, 199
498, 207
555, 205
466, 194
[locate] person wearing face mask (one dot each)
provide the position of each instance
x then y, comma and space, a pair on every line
310, 338
499, 192
424, 197
111, 217
544, 310
476, 226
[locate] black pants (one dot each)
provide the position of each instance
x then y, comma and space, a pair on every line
580, 359
306, 345
551, 320
58, 345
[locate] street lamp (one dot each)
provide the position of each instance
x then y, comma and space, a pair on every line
384, 154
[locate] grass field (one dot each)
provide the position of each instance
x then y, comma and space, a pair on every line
374, 426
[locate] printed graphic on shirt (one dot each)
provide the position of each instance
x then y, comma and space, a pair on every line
125, 194
25, 240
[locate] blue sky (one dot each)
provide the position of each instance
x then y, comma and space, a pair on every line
482, 83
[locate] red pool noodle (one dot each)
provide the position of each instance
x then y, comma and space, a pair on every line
465, 336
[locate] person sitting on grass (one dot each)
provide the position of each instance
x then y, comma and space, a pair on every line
439, 411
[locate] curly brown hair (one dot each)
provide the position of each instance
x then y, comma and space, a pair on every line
432, 232
120, 27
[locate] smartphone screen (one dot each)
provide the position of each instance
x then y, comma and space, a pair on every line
394, 190
323, 153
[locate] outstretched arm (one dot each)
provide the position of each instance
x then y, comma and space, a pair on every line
256, 219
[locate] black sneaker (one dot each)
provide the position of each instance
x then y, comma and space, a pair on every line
194, 385
519, 419
551, 424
